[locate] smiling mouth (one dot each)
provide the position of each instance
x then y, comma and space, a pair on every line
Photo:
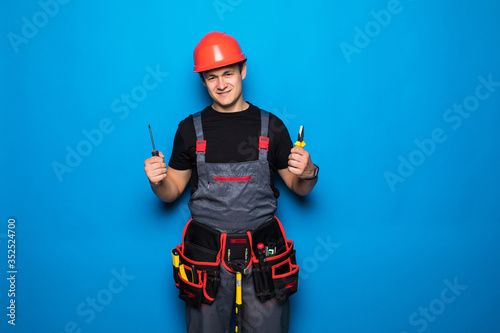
224, 93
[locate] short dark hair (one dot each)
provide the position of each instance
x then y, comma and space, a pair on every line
240, 66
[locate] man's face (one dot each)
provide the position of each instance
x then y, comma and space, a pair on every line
224, 85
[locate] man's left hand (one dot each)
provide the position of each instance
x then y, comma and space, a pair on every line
300, 164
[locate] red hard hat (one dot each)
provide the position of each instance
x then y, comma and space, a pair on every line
216, 49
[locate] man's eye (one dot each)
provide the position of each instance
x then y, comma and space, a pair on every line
229, 74
210, 78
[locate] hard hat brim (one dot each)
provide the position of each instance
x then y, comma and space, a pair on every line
223, 63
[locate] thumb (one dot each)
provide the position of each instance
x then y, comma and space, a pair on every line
161, 154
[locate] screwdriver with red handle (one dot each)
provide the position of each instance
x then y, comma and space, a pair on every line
154, 152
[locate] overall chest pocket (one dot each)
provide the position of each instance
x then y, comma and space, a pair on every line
232, 189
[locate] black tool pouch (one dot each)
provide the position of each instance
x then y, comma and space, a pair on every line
197, 274
276, 277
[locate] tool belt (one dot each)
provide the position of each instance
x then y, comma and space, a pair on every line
198, 259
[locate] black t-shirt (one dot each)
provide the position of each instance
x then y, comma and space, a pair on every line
231, 137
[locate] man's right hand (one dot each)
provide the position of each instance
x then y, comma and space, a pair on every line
155, 168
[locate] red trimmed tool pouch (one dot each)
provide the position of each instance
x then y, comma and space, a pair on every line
275, 270
237, 252
198, 273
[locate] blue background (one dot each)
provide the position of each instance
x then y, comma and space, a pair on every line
375, 250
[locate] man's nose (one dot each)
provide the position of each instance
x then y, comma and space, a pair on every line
221, 84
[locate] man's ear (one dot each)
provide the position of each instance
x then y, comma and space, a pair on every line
243, 70
202, 79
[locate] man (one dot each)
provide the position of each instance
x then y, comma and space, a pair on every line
230, 152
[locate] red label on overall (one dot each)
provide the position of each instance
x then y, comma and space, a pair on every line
238, 241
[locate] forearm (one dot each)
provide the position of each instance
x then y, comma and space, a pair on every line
166, 190
302, 186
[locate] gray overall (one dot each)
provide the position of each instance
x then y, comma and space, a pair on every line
235, 198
